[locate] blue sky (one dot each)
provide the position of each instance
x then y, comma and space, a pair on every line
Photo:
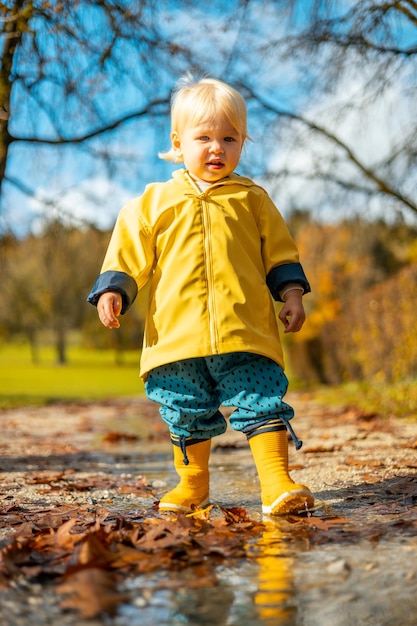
77, 181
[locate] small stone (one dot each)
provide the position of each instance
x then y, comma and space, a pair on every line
157, 484
339, 567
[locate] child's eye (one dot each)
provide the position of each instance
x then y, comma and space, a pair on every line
229, 139
203, 138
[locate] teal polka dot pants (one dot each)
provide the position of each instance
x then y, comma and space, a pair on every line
191, 391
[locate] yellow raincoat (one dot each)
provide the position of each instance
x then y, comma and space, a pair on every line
213, 259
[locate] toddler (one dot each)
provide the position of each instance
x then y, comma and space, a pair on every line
216, 252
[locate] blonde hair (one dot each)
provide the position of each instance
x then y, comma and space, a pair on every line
204, 100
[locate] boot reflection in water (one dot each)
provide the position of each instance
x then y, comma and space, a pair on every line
276, 587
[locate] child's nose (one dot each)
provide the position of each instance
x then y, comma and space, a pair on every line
216, 147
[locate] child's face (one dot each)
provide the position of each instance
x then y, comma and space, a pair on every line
210, 150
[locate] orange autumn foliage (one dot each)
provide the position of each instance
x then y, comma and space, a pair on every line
360, 315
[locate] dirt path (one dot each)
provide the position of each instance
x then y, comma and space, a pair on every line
352, 562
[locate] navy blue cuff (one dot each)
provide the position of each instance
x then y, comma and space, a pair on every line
282, 275
115, 281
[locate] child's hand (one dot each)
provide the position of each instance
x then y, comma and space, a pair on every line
109, 307
292, 314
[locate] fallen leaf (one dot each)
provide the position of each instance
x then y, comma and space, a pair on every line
114, 437
44, 477
317, 449
354, 462
91, 592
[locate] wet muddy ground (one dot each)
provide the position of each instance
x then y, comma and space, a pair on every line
352, 562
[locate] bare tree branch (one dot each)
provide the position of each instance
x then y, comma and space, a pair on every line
159, 107
381, 185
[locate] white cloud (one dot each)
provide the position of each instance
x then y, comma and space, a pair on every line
95, 201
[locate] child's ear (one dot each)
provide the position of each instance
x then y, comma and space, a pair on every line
176, 141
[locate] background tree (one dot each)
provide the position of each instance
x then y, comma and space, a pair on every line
351, 134
23, 303
45, 281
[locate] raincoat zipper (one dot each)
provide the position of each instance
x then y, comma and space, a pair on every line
208, 251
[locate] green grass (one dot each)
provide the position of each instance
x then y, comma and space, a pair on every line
397, 399
94, 375
89, 375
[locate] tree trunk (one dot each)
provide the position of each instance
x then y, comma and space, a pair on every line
34, 347
61, 346
15, 22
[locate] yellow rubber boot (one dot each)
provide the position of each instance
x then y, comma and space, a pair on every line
280, 495
193, 489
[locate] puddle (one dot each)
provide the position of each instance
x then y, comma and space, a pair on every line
283, 583
285, 580
358, 584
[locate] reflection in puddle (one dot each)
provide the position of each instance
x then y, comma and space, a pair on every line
256, 591
275, 592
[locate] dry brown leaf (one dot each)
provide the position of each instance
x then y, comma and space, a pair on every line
137, 491
114, 437
93, 551
165, 535
354, 462
44, 477
317, 449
